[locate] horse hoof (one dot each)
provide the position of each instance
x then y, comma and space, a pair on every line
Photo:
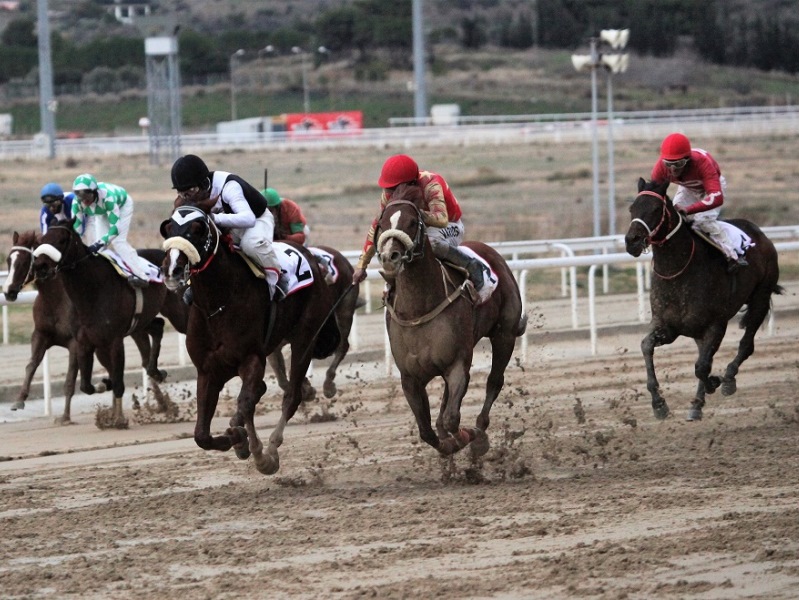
480, 445
712, 384
728, 387
18, 405
269, 463
329, 388
159, 375
62, 420
242, 452
90, 389
695, 414
661, 412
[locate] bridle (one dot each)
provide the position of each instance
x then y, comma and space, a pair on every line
665, 218
194, 255
414, 248
56, 255
29, 274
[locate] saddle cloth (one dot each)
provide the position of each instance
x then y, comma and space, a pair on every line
327, 260
740, 239
294, 267
153, 272
490, 278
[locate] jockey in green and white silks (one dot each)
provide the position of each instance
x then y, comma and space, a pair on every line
103, 214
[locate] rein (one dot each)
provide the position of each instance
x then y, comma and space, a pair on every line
29, 274
43, 249
666, 216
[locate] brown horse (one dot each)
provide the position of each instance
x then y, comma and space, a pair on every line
54, 317
104, 310
693, 295
434, 324
346, 296
234, 326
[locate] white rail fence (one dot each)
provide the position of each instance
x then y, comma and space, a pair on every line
602, 252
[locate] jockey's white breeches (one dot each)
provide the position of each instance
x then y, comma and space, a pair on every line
706, 221
442, 238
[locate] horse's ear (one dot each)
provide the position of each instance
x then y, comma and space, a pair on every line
166, 229
15, 238
641, 184
662, 187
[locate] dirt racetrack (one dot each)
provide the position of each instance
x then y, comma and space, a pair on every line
583, 494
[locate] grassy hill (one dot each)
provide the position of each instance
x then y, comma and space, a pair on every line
484, 82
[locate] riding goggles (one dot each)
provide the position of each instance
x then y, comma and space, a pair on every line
675, 164
188, 192
85, 195
49, 199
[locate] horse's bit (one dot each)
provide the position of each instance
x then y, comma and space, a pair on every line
663, 218
413, 247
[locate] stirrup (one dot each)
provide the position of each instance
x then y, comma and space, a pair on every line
138, 282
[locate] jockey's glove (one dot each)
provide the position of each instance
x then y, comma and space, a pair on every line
95, 247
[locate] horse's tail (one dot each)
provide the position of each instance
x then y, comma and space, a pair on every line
522, 326
328, 339
747, 318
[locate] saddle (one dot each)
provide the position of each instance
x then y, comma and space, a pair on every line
122, 269
490, 278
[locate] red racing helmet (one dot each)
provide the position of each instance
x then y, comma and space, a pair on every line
398, 169
675, 147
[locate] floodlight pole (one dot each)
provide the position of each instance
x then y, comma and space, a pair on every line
47, 105
611, 174
595, 137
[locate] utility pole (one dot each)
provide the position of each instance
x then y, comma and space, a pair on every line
47, 104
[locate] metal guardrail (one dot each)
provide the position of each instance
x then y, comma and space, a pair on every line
740, 121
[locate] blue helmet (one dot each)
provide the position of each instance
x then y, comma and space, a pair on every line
51, 192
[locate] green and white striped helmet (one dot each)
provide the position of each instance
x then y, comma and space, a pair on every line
86, 181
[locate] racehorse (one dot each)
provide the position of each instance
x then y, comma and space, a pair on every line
54, 316
104, 310
434, 324
348, 303
234, 326
693, 295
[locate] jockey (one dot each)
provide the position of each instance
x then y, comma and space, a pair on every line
103, 212
701, 191
290, 223
56, 206
236, 206
441, 213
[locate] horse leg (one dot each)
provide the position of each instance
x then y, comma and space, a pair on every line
707, 345
117, 372
457, 383
416, 396
344, 322
208, 390
39, 346
150, 352
756, 312
278, 364
69, 385
85, 364
440, 430
501, 351
657, 337
252, 388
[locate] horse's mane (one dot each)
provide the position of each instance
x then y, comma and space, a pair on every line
31, 237
204, 205
408, 192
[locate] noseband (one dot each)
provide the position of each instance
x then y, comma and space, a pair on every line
664, 217
29, 274
193, 254
413, 247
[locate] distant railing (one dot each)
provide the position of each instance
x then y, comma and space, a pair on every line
494, 130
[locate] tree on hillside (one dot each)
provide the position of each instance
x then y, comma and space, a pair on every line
20, 33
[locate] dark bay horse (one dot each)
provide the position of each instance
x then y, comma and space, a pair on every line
433, 324
234, 326
692, 294
346, 296
54, 318
105, 309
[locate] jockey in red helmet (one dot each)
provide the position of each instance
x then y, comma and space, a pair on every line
701, 191
441, 213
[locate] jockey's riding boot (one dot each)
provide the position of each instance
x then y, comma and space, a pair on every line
138, 282
472, 266
733, 265
188, 295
